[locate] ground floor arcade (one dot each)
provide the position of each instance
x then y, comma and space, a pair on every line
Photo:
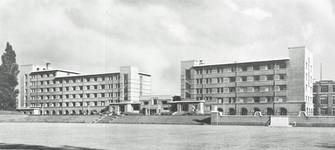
251, 109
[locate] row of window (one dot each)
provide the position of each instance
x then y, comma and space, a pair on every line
324, 88
267, 99
154, 102
324, 100
48, 82
241, 89
221, 69
77, 88
325, 111
68, 104
241, 79
73, 96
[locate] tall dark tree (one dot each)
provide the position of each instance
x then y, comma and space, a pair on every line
8, 79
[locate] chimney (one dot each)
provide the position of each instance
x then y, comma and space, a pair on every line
47, 65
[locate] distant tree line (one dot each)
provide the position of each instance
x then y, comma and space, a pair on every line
8, 79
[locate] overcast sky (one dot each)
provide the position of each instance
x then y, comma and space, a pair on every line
155, 35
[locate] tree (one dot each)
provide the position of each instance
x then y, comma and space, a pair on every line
8, 79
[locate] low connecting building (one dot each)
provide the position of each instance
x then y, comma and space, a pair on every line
324, 98
45, 91
272, 87
156, 104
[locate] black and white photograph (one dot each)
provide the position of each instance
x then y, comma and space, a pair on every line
167, 74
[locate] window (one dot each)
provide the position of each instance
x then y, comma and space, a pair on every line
232, 79
256, 99
269, 77
231, 89
282, 65
199, 81
146, 103
208, 81
324, 100
282, 76
256, 78
282, 87
264, 89
164, 102
263, 78
231, 100
324, 111
208, 71
264, 67
256, 67
256, 89
324, 88
208, 90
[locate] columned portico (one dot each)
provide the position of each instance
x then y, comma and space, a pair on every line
196, 106
122, 107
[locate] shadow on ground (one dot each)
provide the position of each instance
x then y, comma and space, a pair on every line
326, 145
39, 147
203, 121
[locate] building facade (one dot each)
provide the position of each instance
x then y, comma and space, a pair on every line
58, 92
279, 87
324, 98
155, 104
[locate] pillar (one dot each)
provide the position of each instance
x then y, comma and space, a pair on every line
201, 108
179, 107
117, 110
214, 108
128, 108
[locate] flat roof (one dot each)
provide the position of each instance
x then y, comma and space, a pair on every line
53, 70
239, 63
144, 74
88, 75
325, 82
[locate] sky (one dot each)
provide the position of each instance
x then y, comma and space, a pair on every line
155, 35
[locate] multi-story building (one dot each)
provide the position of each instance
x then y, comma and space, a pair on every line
324, 97
280, 87
57, 92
